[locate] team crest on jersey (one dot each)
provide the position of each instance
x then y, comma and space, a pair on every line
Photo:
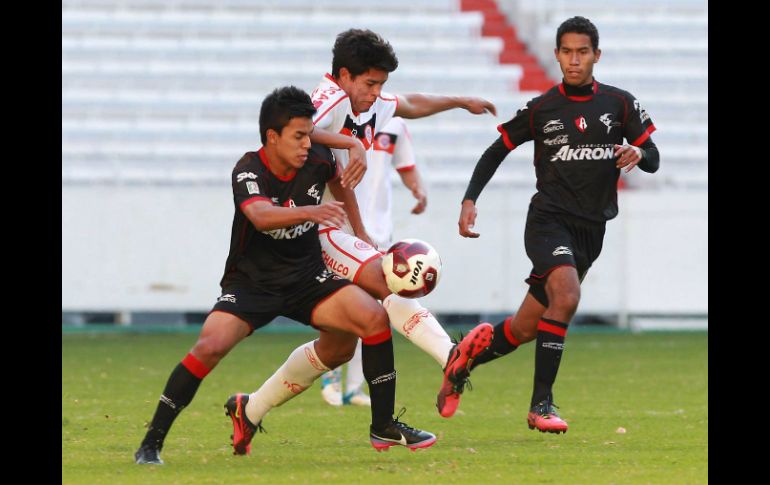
252, 187
363, 132
289, 203
581, 124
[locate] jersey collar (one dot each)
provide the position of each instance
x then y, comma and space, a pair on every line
266, 163
582, 93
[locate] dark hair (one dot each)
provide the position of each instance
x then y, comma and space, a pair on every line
578, 25
280, 106
360, 50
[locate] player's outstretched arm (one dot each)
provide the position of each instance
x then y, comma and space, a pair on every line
354, 172
265, 216
417, 105
468, 219
412, 181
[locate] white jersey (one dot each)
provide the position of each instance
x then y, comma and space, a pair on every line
392, 148
335, 114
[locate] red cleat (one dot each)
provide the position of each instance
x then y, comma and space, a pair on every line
458, 365
544, 417
243, 430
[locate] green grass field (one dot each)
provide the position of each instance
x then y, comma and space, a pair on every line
654, 385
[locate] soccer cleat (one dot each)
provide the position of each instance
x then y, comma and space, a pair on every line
357, 398
331, 387
148, 455
457, 369
398, 433
544, 417
243, 430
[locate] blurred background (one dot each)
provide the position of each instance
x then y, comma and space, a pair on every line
160, 98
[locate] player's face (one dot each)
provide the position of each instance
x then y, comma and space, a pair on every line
363, 89
293, 143
576, 58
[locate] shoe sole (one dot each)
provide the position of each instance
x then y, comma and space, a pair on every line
381, 445
553, 430
479, 343
238, 448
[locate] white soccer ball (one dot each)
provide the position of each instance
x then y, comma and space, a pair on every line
412, 268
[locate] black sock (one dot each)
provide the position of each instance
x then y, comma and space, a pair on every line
179, 391
503, 343
380, 374
550, 346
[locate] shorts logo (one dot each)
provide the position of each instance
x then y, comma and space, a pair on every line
362, 245
252, 187
325, 275
553, 125
228, 297
581, 124
562, 250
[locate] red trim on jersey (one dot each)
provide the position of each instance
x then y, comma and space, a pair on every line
266, 163
377, 338
360, 268
507, 332
331, 78
547, 327
254, 199
644, 136
406, 169
312, 312
195, 366
594, 88
332, 106
506, 140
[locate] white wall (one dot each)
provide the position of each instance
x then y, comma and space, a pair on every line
164, 248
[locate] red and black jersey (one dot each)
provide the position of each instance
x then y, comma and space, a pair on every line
275, 260
574, 132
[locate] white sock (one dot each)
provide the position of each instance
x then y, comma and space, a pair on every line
298, 373
355, 377
415, 322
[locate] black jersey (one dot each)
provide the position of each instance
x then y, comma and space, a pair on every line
574, 153
275, 260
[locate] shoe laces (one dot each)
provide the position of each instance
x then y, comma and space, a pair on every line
259, 428
544, 408
403, 425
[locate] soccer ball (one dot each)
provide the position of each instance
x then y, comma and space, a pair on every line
412, 268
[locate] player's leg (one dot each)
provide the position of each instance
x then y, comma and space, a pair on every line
514, 330
563, 290
220, 333
354, 380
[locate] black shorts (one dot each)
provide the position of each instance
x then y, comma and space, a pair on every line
552, 240
258, 308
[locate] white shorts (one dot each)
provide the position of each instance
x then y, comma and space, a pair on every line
345, 254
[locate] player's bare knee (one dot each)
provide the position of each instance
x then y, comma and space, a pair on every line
373, 320
566, 301
210, 351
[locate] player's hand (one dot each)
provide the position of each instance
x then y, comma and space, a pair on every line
422, 200
468, 219
479, 106
329, 213
628, 156
356, 168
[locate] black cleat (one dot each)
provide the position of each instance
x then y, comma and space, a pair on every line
148, 455
398, 433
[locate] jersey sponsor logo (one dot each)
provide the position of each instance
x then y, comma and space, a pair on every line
292, 232
252, 187
313, 192
581, 124
553, 125
228, 297
562, 250
559, 140
606, 118
334, 265
246, 175
643, 116
584, 152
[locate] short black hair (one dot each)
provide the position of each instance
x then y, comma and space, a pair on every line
578, 25
359, 50
280, 106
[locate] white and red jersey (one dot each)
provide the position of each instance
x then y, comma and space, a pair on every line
392, 149
335, 114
